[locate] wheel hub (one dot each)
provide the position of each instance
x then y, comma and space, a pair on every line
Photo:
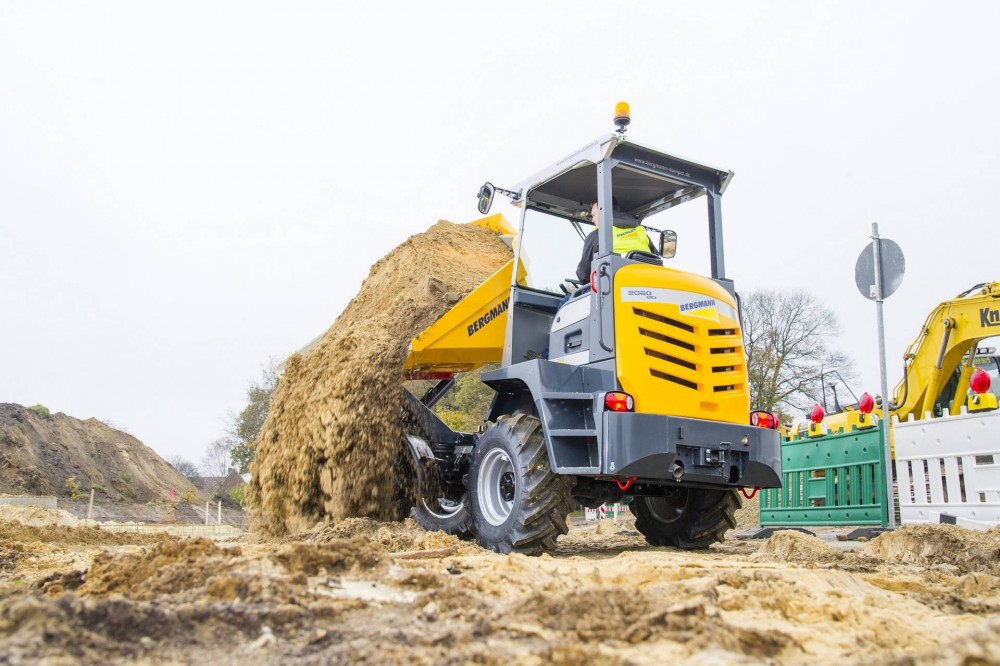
507, 487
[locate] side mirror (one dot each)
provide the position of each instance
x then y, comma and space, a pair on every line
486, 193
668, 243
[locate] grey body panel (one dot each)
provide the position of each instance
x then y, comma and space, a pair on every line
646, 446
583, 439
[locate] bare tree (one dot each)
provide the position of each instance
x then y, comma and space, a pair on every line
184, 466
216, 460
788, 337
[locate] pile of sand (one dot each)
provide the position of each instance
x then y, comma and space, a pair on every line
333, 436
931, 545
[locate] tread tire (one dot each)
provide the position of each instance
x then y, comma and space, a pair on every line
702, 517
458, 523
541, 499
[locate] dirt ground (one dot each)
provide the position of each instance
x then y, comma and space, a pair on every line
360, 591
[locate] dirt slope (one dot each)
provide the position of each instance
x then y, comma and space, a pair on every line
38, 455
333, 431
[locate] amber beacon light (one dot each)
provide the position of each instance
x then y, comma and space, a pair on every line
622, 118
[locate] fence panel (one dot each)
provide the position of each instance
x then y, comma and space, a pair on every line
836, 479
949, 465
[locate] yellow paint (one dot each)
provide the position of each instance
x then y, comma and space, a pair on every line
468, 336
981, 402
665, 357
496, 223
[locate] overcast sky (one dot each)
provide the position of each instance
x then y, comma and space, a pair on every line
188, 189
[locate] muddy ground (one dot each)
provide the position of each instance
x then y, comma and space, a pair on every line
359, 591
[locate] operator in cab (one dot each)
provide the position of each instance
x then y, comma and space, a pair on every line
628, 236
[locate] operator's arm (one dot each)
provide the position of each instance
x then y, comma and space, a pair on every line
589, 250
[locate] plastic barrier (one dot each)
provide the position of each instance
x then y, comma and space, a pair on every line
949, 466
602, 511
834, 479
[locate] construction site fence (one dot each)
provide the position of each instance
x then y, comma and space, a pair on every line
832, 479
948, 468
606, 511
176, 530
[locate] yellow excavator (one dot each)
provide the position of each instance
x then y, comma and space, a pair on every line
629, 384
942, 361
944, 368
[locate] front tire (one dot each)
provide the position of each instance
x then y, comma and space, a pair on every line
688, 518
518, 503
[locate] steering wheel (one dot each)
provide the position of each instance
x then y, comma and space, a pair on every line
573, 281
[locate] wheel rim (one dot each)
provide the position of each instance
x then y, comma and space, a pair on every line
496, 487
670, 508
443, 508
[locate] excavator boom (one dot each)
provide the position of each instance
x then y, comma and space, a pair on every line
952, 330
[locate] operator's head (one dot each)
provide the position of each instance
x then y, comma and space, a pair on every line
614, 208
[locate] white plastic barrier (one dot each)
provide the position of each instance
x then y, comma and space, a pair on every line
602, 511
949, 466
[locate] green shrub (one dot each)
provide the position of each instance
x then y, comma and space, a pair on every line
97, 488
238, 493
188, 496
73, 487
40, 410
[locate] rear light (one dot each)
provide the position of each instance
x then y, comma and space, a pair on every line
866, 403
764, 420
617, 401
980, 381
817, 414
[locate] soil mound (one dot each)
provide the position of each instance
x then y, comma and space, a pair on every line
931, 545
333, 436
390, 537
52, 455
792, 546
11, 530
168, 568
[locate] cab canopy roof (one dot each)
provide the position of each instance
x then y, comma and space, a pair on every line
644, 181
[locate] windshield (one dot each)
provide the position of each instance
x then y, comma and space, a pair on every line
550, 249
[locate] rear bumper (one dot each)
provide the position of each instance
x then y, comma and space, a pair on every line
649, 447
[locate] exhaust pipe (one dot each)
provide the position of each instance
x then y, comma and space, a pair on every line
677, 470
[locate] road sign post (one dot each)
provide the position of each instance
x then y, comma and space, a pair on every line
878, 273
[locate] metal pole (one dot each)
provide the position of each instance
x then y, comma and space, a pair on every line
886, 448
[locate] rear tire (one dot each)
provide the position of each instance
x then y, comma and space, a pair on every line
443, 515
518, 504
688, 518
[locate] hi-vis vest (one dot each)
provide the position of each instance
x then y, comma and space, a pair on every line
627, 239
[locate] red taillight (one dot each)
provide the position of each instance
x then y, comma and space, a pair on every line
618, 402
980, 381
866, 403
817, 414
593, 281
765, 420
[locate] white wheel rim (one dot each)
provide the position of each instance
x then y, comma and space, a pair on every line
496, 486
443, 508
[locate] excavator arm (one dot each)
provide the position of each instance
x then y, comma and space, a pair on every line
947, 339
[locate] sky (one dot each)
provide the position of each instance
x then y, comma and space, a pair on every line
189, 190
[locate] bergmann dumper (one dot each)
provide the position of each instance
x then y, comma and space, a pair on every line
629, 386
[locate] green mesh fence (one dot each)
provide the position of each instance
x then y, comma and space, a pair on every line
836, 479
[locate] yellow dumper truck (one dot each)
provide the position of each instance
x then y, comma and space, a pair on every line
629, 385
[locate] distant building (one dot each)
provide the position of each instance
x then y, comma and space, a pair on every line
218, 485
